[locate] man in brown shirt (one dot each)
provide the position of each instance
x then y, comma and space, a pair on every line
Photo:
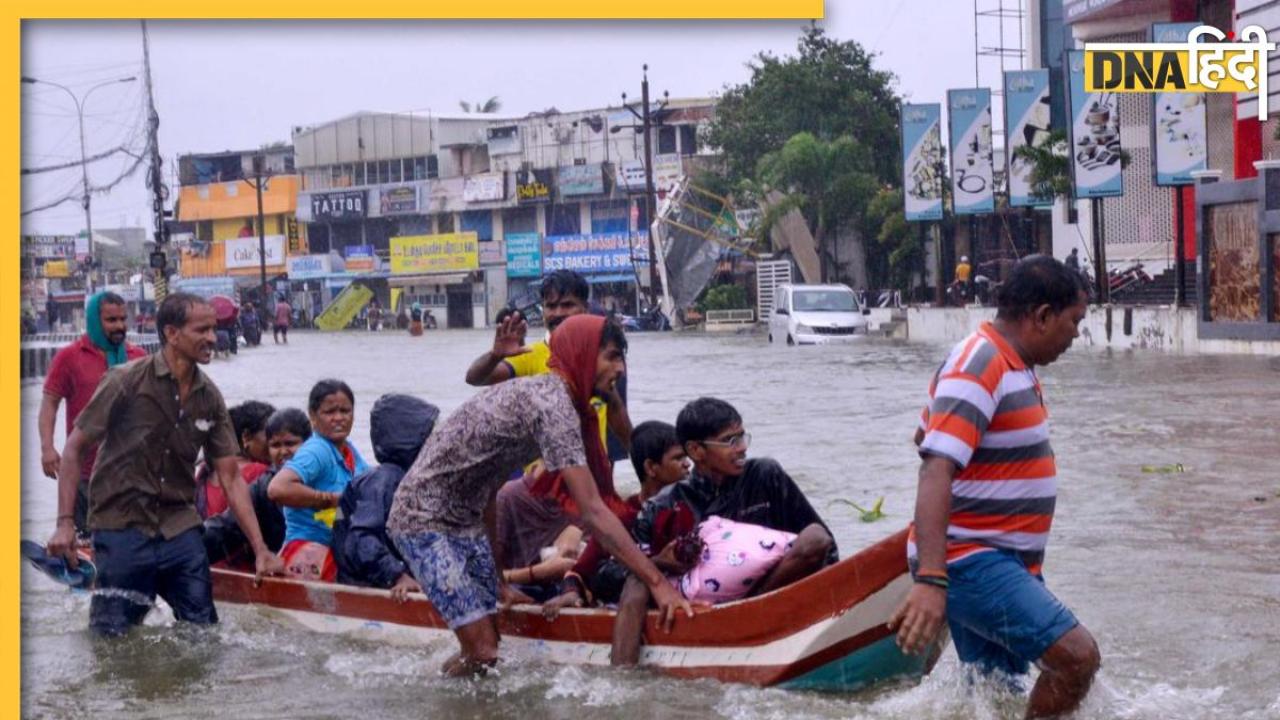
153, 416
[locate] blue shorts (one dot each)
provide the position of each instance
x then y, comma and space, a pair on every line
457, 574
1001, 616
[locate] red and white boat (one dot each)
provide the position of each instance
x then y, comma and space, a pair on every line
826, 632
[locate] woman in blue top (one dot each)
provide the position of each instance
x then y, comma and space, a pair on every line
310, 484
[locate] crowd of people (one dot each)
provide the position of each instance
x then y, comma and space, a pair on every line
511, 497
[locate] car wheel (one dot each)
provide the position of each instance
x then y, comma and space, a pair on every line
791, 340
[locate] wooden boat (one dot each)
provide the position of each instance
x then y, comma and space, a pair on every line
826, 632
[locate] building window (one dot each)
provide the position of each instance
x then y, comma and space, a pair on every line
688, 139
433, 166
564, 219
288, 164
394, 174
375, 174
359, 173
666, 140
444, 223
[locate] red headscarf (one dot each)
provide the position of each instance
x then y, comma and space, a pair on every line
575, 345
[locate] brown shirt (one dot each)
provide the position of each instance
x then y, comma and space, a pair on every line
144, 476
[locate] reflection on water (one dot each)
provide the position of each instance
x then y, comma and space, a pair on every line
1175, 573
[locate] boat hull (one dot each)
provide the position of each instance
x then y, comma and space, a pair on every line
826, 632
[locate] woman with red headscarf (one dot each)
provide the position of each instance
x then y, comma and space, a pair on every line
442, 516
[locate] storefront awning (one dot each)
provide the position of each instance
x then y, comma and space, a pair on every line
439, 279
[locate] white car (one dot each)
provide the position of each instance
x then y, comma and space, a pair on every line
815, 314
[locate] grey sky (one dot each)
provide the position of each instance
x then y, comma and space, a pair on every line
224, 85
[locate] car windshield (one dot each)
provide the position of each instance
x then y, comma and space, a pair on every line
825, 301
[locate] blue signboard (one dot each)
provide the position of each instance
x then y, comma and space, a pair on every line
1179, 144
524, 255
1026, 122
1095, 136
922, 161
598, 253
972, 174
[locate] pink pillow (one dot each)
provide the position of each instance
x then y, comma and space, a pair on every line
735, 557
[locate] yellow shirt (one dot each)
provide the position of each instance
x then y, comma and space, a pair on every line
535, 361
962, 272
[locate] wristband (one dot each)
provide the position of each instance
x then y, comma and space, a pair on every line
68, 516
933, 581
932, 573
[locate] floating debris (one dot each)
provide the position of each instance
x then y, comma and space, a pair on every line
872, 515
1171, 468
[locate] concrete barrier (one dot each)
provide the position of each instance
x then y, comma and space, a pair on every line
1118, 327
37, 351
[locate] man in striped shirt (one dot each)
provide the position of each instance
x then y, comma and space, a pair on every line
988, 484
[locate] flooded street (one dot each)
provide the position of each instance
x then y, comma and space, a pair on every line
1176, 574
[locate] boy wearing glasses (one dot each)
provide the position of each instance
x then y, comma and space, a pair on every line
725, 483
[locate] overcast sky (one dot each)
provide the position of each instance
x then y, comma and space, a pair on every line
222, 85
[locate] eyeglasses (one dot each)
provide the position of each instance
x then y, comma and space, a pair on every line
737, 442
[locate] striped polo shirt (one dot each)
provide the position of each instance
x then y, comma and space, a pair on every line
986, 414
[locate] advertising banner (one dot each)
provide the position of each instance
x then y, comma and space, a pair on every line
49, 246
972, 174
345, 205
1179, 145
398, 200
1026, 123
605, 253
57, 269
243, 252
1095, 135
344, 307
922, 161
524, 255
485, 187
668, 170
448, 252
581, 180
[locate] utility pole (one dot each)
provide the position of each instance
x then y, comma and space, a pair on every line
645, 116
259, 179
85, 199
155, 180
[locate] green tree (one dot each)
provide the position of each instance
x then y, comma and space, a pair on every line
898, 250
829, 182
829, 89
492, 105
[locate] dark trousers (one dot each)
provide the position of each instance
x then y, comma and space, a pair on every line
138, 568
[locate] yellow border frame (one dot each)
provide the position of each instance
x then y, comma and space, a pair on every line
10, 188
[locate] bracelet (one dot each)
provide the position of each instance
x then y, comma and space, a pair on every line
68, 516
532, 580
933, 581
932, 574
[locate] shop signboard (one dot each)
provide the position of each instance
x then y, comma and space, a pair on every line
524, 255
485, 187
344, 307
338, 206
630, 175
302, 267
444, 253
398, 200
581, 180
243, 252
601, 253
533, 186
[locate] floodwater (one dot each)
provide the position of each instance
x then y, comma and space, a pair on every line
1176, 574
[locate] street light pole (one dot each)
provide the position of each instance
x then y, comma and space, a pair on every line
84, 161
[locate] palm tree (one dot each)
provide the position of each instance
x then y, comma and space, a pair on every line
492, 105
1050, 164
